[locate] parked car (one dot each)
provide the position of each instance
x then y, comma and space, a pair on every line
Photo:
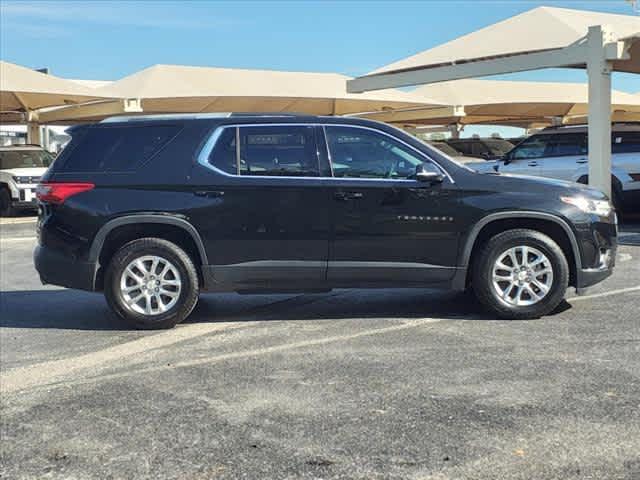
153, 210
561, 152
21, 167
485, 148
447, 149
478, 164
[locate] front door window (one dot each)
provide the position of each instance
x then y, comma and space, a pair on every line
360, 153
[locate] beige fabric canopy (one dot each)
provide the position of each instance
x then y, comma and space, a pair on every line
23, 89
185, 89
515, 103
539, 29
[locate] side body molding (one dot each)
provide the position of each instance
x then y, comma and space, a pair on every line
465, 255
98, 241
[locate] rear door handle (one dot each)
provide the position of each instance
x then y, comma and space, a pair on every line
582, 160
533, 164
209, 193
344, 196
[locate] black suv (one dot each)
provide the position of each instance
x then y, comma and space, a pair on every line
152, 210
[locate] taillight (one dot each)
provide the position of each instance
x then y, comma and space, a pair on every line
57, 193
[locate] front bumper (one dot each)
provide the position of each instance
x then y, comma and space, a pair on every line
604, 250
589, 277
57, 269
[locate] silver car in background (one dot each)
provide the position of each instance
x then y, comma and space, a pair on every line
561, 152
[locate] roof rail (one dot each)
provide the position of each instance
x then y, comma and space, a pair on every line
163, 116
585, 125
268, 114
194, 116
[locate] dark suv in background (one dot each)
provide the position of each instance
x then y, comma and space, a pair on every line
153, 210
484, 148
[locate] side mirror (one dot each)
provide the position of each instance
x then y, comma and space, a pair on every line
428, 176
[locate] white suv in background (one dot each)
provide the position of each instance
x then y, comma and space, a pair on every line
21, 167
561, 152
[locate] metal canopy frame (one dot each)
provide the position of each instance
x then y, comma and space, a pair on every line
596, 52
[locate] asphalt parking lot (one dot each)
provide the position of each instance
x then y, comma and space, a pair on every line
408, 384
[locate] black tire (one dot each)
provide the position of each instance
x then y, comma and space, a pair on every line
6, 208
482, 274
189, 291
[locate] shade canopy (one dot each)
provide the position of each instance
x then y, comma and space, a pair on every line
537, 30
186, 89
515, 103
23, 90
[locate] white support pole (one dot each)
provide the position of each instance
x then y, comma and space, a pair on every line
599, 72
33, 132
45, 136
455, 130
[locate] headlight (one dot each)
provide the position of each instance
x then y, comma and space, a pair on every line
587, 205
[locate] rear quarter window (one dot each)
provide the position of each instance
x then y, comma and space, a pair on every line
625, 142
115, 149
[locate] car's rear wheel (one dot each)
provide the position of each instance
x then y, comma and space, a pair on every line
151, 283
520, 274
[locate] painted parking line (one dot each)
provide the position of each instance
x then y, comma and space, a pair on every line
605, 294
18, 239
56, 370
17, 221
18, 382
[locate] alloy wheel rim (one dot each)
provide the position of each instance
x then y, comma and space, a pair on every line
522, 276
150, 285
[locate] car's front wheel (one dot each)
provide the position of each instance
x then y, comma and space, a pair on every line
520, 274
151, 283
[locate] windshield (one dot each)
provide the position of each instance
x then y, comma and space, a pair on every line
498, 146
24, 159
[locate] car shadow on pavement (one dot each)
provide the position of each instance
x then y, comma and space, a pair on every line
56, 309
76, 310
629, 239
356, 304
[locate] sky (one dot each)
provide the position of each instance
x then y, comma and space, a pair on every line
106, 40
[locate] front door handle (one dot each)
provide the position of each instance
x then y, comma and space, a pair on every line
533, 164
209, 193
582, 160
344, 196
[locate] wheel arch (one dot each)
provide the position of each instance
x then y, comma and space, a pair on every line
552, 225
121, 230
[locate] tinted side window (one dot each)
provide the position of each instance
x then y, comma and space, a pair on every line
117, 149
278, 151
360, 153
625, 142
532, 147
463, 147
478, 148
567, 144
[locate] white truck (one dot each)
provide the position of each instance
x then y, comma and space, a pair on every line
21, 167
